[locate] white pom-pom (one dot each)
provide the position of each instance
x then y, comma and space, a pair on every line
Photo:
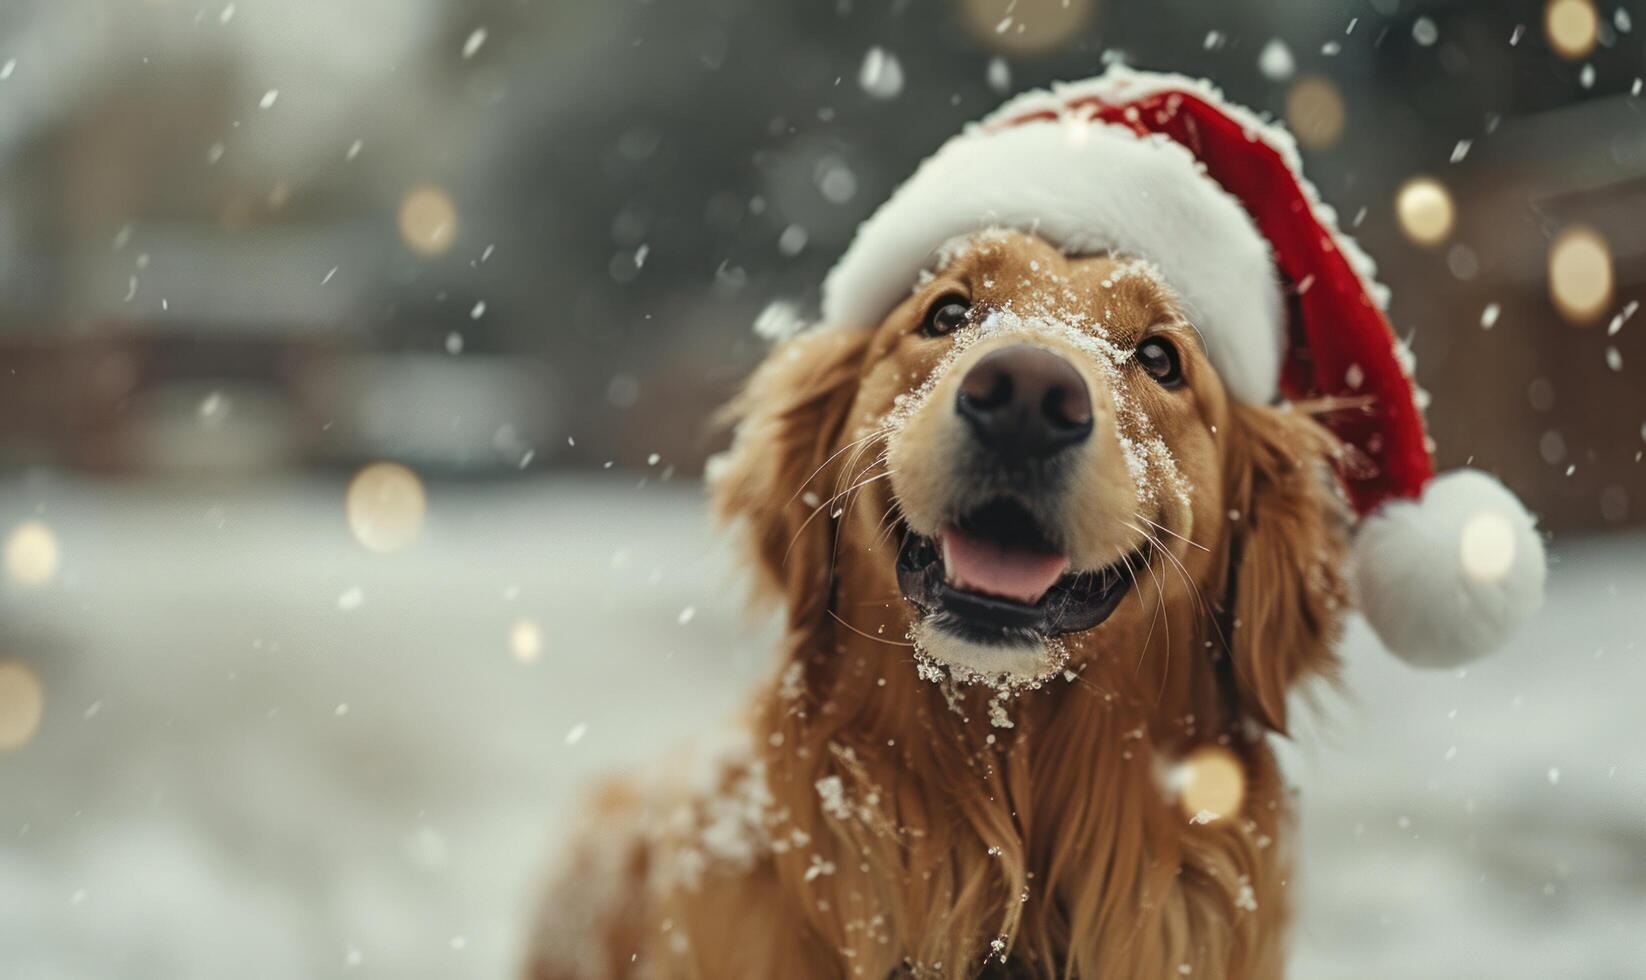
1446, 578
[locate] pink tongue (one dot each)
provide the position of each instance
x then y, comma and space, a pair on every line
981, 566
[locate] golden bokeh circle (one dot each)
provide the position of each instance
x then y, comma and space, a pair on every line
22, 704
1572, 27
1213, 784
32, 553
525, 641
1025, 27
1425, 210
1315, 112
1580, 274
428, 220
1487, 547
385, 505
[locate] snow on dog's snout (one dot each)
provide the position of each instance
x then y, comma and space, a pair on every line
1124, 466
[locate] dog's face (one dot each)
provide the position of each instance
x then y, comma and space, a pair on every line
1033, 460
1060, 444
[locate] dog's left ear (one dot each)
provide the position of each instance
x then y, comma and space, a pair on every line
787, 418
1285, 587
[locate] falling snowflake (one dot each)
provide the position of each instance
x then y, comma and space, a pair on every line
881, 75
835, 180
999, 75
1621, 318
780, 320
792, 240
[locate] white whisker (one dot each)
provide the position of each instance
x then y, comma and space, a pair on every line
832, 457
826, 505
1162, 527
866, 636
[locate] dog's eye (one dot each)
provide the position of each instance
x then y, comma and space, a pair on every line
1159, 358
945, 316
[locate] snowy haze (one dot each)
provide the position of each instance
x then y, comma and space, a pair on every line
268, 753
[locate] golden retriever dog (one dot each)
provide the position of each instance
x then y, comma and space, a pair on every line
1035, 561
1053, 549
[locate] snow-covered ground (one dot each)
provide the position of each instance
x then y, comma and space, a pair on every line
240, 775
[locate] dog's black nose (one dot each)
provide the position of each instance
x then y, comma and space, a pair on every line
1025, 402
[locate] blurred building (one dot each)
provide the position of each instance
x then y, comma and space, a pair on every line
501, 235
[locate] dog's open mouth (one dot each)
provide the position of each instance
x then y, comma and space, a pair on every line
996, 576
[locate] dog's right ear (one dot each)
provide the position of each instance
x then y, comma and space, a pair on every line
1285, 587
778, 472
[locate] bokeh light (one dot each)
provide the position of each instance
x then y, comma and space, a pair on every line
525, 641
1025, 26
1487, 547
1314, 111
1424, 208
385, 504
1580, 274
1572, 27
428, 220
22, 704
1212, 784
32, 555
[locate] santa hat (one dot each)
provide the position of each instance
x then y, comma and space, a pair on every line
1161, 167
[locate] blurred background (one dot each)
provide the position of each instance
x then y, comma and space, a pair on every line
356, 367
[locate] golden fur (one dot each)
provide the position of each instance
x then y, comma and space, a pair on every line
893, 826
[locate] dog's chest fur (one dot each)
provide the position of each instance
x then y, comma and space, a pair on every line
1053, 840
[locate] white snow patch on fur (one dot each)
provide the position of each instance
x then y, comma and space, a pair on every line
940, 656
